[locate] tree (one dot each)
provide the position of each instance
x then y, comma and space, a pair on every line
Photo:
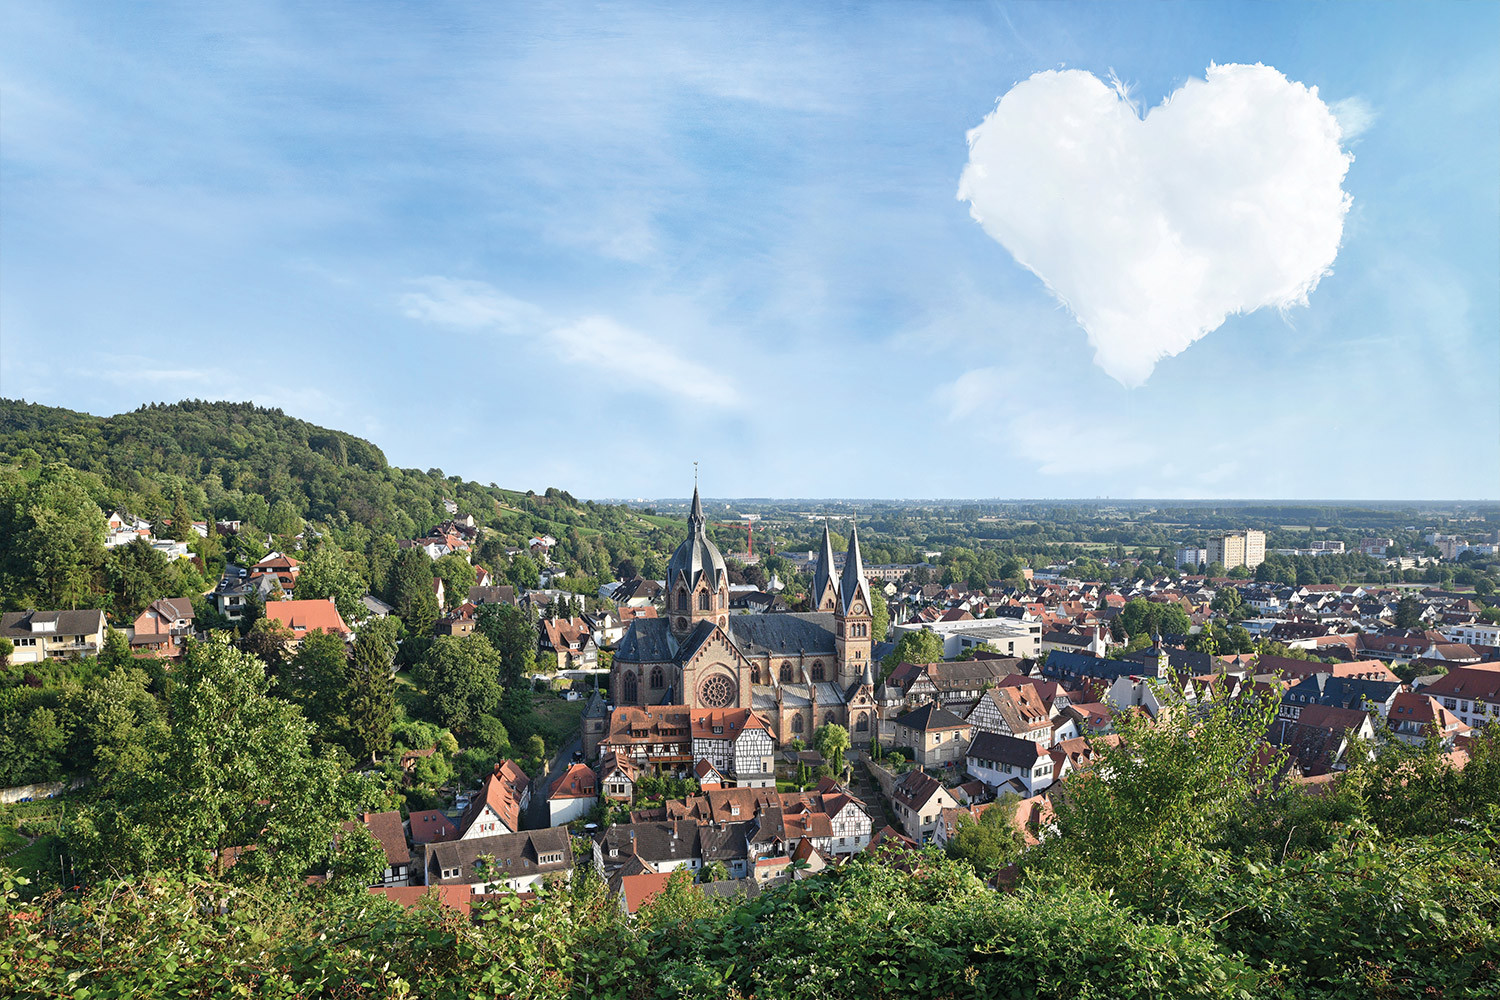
991, 842
1408, 612
317, 679
136, 575
462, 677
327, 574
54, 540
523, 572
232, 781
714, 871
370, 692
457, 575
916, 646
411, 579
831, 740
116, 649
1228, 602
880, 615
269, 641
513, 633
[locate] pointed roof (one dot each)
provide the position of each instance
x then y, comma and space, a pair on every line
695, 516
854, 584
824, 573
697, 554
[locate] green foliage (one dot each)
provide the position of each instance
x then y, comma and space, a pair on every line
513, 633
991, 842
916, 646
880, 615
327, 574
462, 678
234, 770
1143, 617
832, 740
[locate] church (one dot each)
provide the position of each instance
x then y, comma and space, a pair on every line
796, 670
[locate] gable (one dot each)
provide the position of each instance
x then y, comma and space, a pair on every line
717, 648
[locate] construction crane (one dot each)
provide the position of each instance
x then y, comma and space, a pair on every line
750, 520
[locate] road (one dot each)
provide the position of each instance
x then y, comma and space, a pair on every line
536, 813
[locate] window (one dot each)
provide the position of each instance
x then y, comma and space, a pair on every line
861, 723
703, 600
786, 672
629, 694
796, 723
817, 671
682, 600
657, 680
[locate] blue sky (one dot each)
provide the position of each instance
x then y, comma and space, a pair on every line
586, 246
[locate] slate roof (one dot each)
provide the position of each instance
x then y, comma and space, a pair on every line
697, 555
1005, 749
853, 583
776, 634
515, 856
22, 623
930, 717
647, 640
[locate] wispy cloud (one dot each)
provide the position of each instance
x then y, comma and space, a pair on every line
1354, 115
630, 357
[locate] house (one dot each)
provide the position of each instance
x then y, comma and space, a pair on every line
738, 743
431, 826
572, 795
617, 777
1414, 718
304, 617
390, 833
39, 635
1006, 763
375, 607
571, 640
641, 888
1341, 692
1472, 692
513, 861
708, 777
651, 735
658, 845
1318, 742
1013, 711
160, 629
281, 569
955, 685
497, 808
919, 800
483, 594
936, 736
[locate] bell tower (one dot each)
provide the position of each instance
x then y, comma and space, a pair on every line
853, 616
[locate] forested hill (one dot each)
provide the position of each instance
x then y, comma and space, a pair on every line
198, 460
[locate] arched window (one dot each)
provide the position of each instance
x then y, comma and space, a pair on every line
682, 600
703, 600
817, 671
629, 695
786, 672
796, 723
827, 718
657, 680
861, 723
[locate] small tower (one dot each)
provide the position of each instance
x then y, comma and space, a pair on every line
697, 579
1162, 664
852, 617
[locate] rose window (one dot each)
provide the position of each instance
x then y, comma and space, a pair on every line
717, 692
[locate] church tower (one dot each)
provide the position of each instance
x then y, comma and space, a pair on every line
825, 588
852, 616
697, 579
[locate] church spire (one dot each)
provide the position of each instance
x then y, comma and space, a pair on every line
823, 578
695, 516
854, 585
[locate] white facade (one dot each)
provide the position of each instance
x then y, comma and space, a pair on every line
565, 810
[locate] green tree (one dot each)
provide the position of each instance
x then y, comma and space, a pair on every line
991, 842
513, 633
462, 678
235, 770
327, 574
832, 740
317, 679
54, 541
916, 646
523, 572
136, 575
457, 576
880, 615
1408, 612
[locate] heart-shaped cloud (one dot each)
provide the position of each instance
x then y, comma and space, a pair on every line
1224, 199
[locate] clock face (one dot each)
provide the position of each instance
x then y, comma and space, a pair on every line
859, 608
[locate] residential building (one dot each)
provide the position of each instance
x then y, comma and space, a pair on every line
280, 568
572, 795
1416, 718
390, 833
1018, 711
571, 641
1472, 692
513, 861
1243, 548
935, 735
1009, 636
305, 617
498, 807
919, 799
738, 743
160, 629
63, 635
1006, 763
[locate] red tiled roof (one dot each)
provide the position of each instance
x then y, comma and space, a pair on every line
454, 897
307, 616
577, 782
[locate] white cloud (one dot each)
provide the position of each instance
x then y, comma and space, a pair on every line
630, 357
1224, 199
1354, 115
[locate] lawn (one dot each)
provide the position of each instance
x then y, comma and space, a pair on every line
557, 715
37, 860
